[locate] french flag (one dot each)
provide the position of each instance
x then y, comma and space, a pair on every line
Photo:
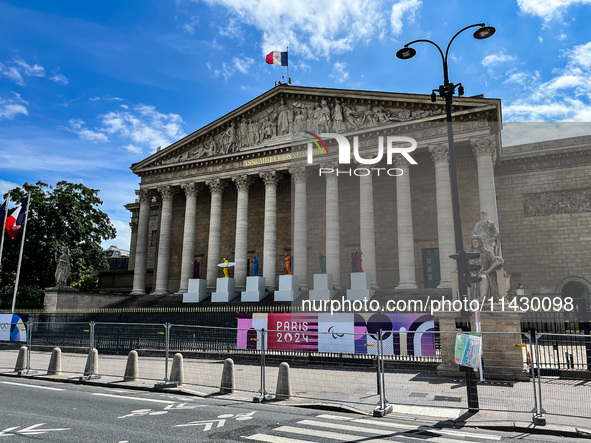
16, 220
277, 58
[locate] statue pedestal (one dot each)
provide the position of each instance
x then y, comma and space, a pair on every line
225, 290
323, 287
197, 291
288, 288
255, 289
360, 286
502, 360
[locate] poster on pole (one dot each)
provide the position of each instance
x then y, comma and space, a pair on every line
468, 350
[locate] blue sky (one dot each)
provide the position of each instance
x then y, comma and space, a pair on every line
88, 88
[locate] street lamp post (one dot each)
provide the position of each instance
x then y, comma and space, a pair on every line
447, 91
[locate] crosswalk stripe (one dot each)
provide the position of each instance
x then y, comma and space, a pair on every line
427, 428
326, 434
275, 439
374, 431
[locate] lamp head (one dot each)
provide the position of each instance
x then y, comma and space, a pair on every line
405, 53
484, 32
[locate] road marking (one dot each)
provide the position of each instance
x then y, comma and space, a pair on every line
135, 398
326, 434
384, 432
427, 428
274, 439
31, 386
207, 425
30, 430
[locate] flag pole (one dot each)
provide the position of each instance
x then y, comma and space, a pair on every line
287, 50
20, 255
7, 202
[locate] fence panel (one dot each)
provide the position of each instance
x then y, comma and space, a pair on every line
565, 379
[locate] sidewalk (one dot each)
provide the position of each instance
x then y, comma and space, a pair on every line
416, 396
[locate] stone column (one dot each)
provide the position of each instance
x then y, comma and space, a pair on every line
367, 240
300, 228
216, 187
242, 183
406, 246
191, 191
333, 242
167, 194
485, 151
132, 245
445, 221
141, 248
270, 228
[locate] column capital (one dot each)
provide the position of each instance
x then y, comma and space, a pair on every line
191, 189
242, 182
166, 192
216, 185
299, 173
133, 225
271, 178
439, 153
400, 163
144, 195
331, 164
485, 146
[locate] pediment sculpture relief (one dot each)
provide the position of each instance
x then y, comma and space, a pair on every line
287, 117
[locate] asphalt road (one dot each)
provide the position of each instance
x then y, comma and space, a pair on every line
49, 411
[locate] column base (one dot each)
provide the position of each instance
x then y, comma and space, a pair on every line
160, 292
137, 292
407, 285
445, 284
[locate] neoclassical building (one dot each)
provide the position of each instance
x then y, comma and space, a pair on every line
245, 186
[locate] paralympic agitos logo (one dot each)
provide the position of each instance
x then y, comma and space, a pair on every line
393, 145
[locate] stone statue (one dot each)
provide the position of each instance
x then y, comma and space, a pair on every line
255, 266
322, 259
243, 131
324, 117
288, 264
195, 269
337, 116
62, 269
488, 286
229, 140
213, 148
369, 117
489, 233
350, 117
284, 118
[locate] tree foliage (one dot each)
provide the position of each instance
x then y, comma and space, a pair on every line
65, 215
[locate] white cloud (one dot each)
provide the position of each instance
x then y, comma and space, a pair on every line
339, 73
566, 96
145, 127
236, 65
59, 78
317, 29
548, 9
403, 11
524, 79
77, 126
17, 69
6, 186
11, 107
497, 59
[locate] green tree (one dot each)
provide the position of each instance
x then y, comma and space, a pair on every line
65, 215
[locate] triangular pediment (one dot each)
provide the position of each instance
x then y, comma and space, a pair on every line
274, 117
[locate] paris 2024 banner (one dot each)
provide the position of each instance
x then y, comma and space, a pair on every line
348, 333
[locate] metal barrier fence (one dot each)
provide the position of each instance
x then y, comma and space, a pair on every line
358, 369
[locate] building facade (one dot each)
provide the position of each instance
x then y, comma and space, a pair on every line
245, 186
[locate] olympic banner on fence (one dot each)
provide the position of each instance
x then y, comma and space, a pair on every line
12, 327
350, 333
